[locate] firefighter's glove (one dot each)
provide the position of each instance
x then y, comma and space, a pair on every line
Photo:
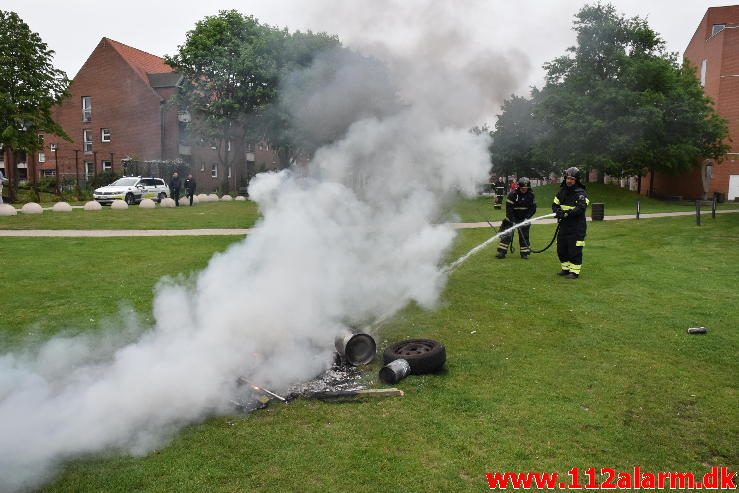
559, 214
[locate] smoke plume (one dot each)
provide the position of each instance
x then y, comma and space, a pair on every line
350, 238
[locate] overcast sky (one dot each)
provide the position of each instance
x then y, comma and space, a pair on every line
533, 31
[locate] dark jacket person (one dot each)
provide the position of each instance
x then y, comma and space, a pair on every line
174, 188
569, 205
520, 206
190, 187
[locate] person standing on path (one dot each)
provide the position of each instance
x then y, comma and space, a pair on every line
190, 187
174, 188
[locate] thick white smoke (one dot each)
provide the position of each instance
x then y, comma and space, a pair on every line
347, 240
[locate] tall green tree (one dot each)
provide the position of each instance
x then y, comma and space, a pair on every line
278, 125
30, 86
618, 102
232, 67
229, 63
517, 137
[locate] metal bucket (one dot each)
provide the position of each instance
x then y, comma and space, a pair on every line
395, 371
356, 349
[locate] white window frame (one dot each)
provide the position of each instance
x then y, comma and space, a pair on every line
214, 171
229, 171
48, 172
41, 157
52, 147
104, 135
86, 108
87, 140
89, 169
202, 167
717, 28
107, 165
704, 69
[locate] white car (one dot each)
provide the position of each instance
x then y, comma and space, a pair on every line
132, 189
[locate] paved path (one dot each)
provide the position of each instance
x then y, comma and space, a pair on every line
108, 233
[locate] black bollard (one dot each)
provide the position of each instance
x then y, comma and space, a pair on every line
698, 212
638, 208
713, 206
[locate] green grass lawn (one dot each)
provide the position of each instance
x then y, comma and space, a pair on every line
543, 373
235, 214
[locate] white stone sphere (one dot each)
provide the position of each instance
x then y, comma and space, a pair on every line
93, 205
195, 200
119, 204
62, 207
185, 201
202, 197
227, 197
31, 208
147, 204
240, 198
213, 197
8, 210
167, 203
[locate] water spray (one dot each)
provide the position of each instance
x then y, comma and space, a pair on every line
453, 266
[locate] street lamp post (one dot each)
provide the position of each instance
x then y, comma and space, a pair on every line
54, 149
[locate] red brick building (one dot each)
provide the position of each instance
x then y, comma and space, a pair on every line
119, 113
714, 51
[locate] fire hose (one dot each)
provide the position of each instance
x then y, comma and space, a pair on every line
451, 267
554, 237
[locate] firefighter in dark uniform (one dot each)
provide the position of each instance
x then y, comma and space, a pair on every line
520, 206
499, 191
569, 206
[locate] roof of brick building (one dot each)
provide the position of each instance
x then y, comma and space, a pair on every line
142, 62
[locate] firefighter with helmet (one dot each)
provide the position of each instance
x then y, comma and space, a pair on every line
569, 206
520, 206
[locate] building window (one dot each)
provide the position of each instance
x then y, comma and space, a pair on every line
229, 171
48, 172
86, 108
89, 169
717, 28
52, 147
107, 166
104, 135
202, 166
214, 171
704, 67
87, 140
41, 157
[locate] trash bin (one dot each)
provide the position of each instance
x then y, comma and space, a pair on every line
598, 211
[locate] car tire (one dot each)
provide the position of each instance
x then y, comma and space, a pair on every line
161, 197
423, 355
130, 199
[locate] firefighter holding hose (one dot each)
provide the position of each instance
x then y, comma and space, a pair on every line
520, 206
569, 206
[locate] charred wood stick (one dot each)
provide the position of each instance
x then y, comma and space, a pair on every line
343, 394
244, 381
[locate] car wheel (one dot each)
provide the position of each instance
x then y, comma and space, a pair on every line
423, 355
161, 197
129, 199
